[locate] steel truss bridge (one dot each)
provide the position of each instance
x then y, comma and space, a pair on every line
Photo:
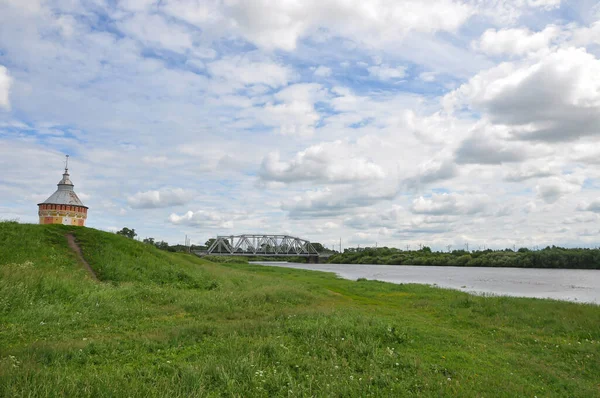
260, 245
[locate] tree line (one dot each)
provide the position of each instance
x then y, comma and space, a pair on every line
549, 257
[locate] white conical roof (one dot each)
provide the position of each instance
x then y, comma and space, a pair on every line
64, 195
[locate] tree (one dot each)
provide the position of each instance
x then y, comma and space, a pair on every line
149, 241
128, 233
318, 247
209, 243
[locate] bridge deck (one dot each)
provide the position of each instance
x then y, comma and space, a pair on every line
205, 253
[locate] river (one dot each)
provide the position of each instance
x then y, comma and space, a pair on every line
561, 284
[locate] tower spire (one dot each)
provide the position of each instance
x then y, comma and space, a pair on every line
67, 163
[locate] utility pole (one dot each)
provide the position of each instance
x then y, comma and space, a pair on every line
407, 247
467, 246
340, 244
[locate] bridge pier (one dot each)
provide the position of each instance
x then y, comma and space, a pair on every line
312, 259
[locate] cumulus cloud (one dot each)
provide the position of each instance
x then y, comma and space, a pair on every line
433, 170
5, 83
336, 201
529, 171
279, 25
450, 204
158, 199
486, 149
334, 162
593, 206
509, 12
555, 98
552, 189
516, 41
293, 109
204, 218
390, 218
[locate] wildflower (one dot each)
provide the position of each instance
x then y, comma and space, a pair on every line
42, 323
449, 379
351, 377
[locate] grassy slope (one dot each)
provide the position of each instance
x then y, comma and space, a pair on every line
165, 324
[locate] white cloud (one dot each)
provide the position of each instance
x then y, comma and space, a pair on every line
154, 30
335, 201
483, 147
279, 25
391, 218
322, 71
5, 83
593, 206
327, 162
509, 12
427, 76
555, 98
293, 109
552, 189
159, 199
450, 204
204, 218
529, 171
385, 72
433, 170
516, 41
244, 71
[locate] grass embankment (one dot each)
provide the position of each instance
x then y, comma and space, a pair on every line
167, 324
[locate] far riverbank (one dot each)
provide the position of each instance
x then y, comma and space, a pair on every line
549, 257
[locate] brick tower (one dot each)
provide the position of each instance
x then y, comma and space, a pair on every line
63, 206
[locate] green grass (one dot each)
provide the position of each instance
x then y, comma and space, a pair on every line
167, 324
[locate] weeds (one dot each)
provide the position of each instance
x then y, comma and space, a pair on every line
168, 324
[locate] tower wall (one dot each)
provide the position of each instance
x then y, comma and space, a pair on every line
62, 214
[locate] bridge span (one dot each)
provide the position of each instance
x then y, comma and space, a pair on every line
262, 245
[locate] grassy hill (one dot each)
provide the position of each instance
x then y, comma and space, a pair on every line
167, 324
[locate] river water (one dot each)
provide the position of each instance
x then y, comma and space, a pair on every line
560, 284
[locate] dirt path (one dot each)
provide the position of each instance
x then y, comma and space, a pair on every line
75, 247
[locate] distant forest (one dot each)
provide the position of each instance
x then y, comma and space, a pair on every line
550, 257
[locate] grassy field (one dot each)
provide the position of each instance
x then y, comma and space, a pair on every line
167, 324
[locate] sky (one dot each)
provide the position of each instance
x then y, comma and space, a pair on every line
389, 122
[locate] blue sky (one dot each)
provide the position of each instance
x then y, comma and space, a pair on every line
398, 122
